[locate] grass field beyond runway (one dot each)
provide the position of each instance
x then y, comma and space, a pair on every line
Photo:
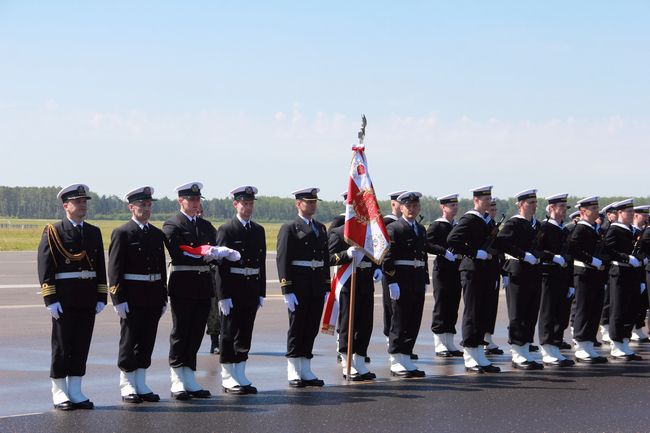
25, 234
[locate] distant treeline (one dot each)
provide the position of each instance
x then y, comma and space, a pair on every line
41, 202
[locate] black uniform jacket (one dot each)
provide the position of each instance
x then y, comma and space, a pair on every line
297, 241
62, 249
338, 256
437, 234
405, 245
467, 237
180, 231
132, 251
586, 243
243, 289
517, 237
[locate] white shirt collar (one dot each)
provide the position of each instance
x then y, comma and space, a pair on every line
304, 219
188, 217
410, 223
555, 223
74, 224
392, 216
586, 223
139, 223
621, 226
475, 212
242, 221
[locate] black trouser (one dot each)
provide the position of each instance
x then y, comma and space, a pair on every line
604, 316
552, 305
492, 303
407, 317
446, 296
214, 318
624, 301
364, 304
523, 297
642, 311
237, 332
304, 324
588, 304
189, 317
137, 337
388, 305
477, 286
71, 336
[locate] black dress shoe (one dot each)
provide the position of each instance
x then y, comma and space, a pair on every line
201, 393
403, 373
457, 353
314, 382
131, 398
560, 363
339, 358
66, 405
356, 377
181, 395
369, 376
417, 373
491, 368
150, 397
634, 357
477, 369
296, 383
235, 390
533, 348
564, 346
444, 354
597, 343
250, 389
414, 356
366, 360
596, 360
86, 404
526, 365
494, 351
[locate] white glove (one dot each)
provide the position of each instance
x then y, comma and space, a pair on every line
218, 253
233, 256
377, 275
481, 255
642, 288
164, 308
99, 307
225, 305
55, 309
121, 309
571, 292
393, 288
261, 302
450, 256
596, 262
504, 281
355, 253
529, 258
634, 262
559, 260
291, 301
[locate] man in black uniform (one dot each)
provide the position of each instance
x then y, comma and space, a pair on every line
72, 274
639, 226
190, 289
445, 279
624, 281
469, 238
644, 251
242, 289
304, 272
518, 240
608, 216
492, 300
395, 214
586, 249
405, 268
137, 278
555, 281
366, 273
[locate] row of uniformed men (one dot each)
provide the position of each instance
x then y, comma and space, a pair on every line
71, 271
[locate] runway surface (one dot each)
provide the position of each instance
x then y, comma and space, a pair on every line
611, 397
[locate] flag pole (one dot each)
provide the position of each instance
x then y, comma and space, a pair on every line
353, 281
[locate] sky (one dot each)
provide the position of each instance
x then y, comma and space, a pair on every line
551, 95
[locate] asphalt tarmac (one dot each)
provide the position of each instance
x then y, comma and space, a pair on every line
610, 397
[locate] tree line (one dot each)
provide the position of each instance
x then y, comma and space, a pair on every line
41, 203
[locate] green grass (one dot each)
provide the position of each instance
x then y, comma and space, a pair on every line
25, 234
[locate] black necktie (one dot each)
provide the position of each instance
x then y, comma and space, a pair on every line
145, 229
313, 229
247, 226
415, 229
196, 229
80, 230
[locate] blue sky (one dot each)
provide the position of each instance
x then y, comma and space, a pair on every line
552, 95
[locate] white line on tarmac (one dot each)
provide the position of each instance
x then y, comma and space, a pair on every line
19, 286
21, 414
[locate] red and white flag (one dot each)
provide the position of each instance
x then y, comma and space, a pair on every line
364, 228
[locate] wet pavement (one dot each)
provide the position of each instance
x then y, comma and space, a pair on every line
611, 397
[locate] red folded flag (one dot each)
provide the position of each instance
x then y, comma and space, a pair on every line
203, 250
